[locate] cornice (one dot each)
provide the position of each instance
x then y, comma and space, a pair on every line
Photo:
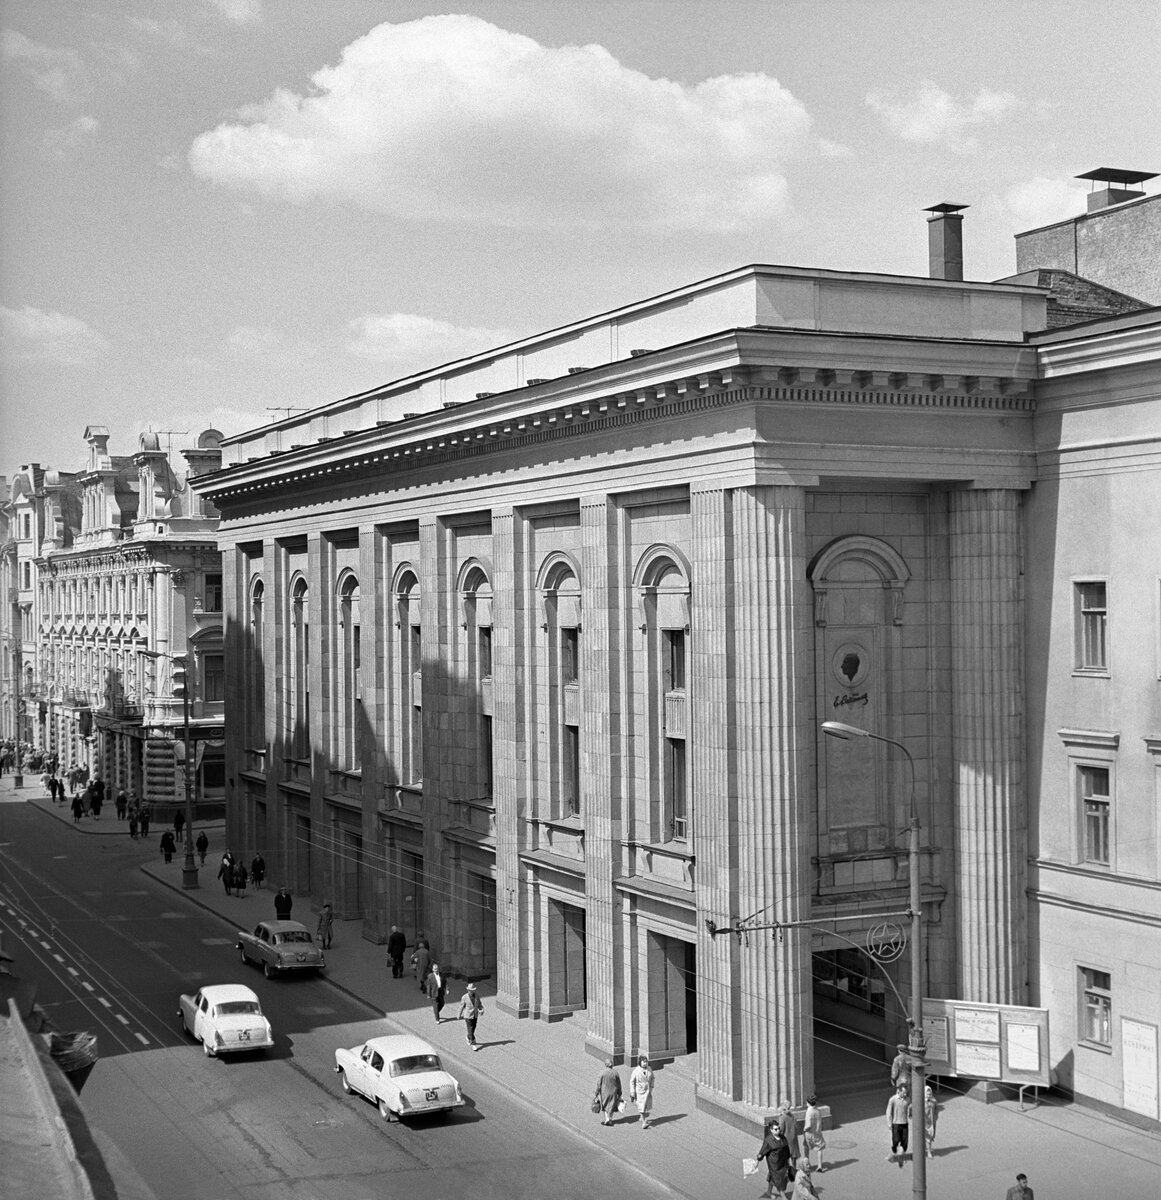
447, 436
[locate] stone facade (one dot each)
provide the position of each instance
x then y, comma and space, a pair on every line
542, 673
128, 576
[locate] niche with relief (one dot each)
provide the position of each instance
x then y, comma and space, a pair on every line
858, 587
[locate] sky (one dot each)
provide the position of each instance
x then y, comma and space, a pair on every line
213, 212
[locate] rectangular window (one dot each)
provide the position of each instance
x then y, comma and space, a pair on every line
1096, 1006
674, 660
27, 580
1091, 627
1096, 803
485, 661
213, 597
214, 677
569, 655
26, 525
487, 776
571, 773
415, 648
676, 803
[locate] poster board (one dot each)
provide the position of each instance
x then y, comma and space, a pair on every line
1139, 1066
1004, 1042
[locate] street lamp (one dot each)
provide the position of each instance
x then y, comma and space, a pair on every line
917, 1048
189, 872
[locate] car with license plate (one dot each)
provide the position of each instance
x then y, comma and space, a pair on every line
401, 1074
226, 1018
281, 947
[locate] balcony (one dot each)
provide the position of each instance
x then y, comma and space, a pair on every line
675, 722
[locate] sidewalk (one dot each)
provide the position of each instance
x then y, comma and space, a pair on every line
1065, 1150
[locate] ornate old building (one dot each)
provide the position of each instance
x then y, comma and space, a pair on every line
531, 652
133, 583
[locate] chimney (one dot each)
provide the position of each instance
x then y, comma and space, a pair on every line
945, 241
1109, 195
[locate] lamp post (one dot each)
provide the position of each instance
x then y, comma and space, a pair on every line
917, 1047
189, 871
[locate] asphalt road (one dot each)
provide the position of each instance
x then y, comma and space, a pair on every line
111, 951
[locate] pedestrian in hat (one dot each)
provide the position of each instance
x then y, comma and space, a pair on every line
396, 945
470, 1008
900, 1065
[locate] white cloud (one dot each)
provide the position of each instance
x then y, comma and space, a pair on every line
408, 342
451, 118
932, 115
1043, 201
829, 149
56, 72
241, 12
60, 141
34, 335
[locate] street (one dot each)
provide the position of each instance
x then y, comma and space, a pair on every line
112, 950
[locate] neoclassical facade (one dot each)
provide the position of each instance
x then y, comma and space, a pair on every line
540, 668
119, 593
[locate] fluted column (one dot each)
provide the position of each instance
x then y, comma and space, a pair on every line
988, 744
716, 831
772, 665
600, 779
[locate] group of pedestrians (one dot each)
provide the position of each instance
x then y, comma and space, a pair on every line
790, 1160
433, 983
608, 1100
234, 875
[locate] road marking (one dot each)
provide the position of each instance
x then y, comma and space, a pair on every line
142, 1039
73, 971
59, 958
123, 1020
87, 985
102, 1000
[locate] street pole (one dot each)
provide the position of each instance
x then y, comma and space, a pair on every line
189, 871
916, 1042
917, 1048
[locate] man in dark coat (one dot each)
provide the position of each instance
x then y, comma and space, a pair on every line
421, 961
167, 845
283, 903
436, 988
202, 844
396, 946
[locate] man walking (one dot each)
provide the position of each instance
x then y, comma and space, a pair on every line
396, 945
421, 961
283, 903
898, 1117
436, 992
470, 1008
1021, 1191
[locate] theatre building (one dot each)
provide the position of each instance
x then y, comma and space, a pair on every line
531, 652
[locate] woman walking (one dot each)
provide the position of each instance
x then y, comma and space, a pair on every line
776, 1151
607, 1097
641, 1089
813, 1141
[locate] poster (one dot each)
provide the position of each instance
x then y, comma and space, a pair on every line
977, 1025
1023, 1047
935, 1030
974, 1059
1139, 1066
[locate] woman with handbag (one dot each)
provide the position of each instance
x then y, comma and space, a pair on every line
607, 1098
776, 1151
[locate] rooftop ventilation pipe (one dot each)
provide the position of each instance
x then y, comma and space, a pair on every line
1109, 195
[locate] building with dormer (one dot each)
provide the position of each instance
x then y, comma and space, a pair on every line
133, 581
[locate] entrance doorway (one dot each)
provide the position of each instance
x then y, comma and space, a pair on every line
672, 984
567, 980
481, 925
350, 875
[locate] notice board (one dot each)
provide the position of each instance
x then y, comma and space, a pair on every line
1004, 1042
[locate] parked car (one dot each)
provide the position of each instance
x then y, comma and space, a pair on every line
281, 946
226, 1018
403, 1075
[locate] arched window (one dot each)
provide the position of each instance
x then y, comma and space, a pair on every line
476, 597
662, 582
299, 692
256, 670
409, 675
349, 667
559, 587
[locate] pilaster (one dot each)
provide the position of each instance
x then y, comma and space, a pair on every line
513, 984
771, 715
600, 773
988, 744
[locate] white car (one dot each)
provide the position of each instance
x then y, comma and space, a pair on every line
226, 1018
403, 1075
